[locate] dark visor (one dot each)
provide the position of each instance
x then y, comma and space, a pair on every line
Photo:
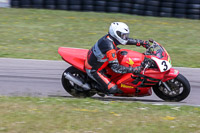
124, 36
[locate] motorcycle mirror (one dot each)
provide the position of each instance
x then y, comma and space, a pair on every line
151, 40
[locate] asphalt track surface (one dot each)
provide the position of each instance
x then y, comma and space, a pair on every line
42, 78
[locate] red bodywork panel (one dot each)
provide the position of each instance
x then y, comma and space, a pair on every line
171, 74
74, 56
130, 58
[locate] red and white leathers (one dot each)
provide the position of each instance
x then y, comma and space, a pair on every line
103, 54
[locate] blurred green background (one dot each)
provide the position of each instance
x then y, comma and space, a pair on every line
37, 34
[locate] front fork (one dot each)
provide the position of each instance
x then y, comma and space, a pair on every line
171, 74
166, 86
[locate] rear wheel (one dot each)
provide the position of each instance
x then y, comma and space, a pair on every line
179, 89
74, 89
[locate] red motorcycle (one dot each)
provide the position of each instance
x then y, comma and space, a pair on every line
157, 74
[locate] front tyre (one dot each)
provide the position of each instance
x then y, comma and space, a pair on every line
72, 88
179, 89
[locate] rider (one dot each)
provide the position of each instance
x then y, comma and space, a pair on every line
103, 54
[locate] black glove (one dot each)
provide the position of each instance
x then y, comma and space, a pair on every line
137, 70
147, 61
145, 44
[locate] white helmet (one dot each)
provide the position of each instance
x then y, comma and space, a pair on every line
119, 31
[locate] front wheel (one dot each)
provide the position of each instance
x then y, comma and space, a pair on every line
179, 89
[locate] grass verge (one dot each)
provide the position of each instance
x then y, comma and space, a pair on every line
51, 115
37, 34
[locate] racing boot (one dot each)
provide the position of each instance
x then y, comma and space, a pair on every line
114, 90
100, 92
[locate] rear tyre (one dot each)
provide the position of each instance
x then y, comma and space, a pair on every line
180, 89
72, 88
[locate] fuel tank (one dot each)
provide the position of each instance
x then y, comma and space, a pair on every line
128, 57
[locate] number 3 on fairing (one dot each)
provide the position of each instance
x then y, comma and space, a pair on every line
165, 65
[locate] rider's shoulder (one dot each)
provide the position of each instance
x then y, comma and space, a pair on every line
105, 43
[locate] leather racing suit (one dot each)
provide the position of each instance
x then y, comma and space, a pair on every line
103, 54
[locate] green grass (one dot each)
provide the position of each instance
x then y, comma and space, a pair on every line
59, 115
37, 34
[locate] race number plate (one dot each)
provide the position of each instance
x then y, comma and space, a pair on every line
162, 64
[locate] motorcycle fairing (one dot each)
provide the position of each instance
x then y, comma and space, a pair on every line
163, 65
139, 92
74, 56
171, 74
130, 83
137, 85
158, 53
